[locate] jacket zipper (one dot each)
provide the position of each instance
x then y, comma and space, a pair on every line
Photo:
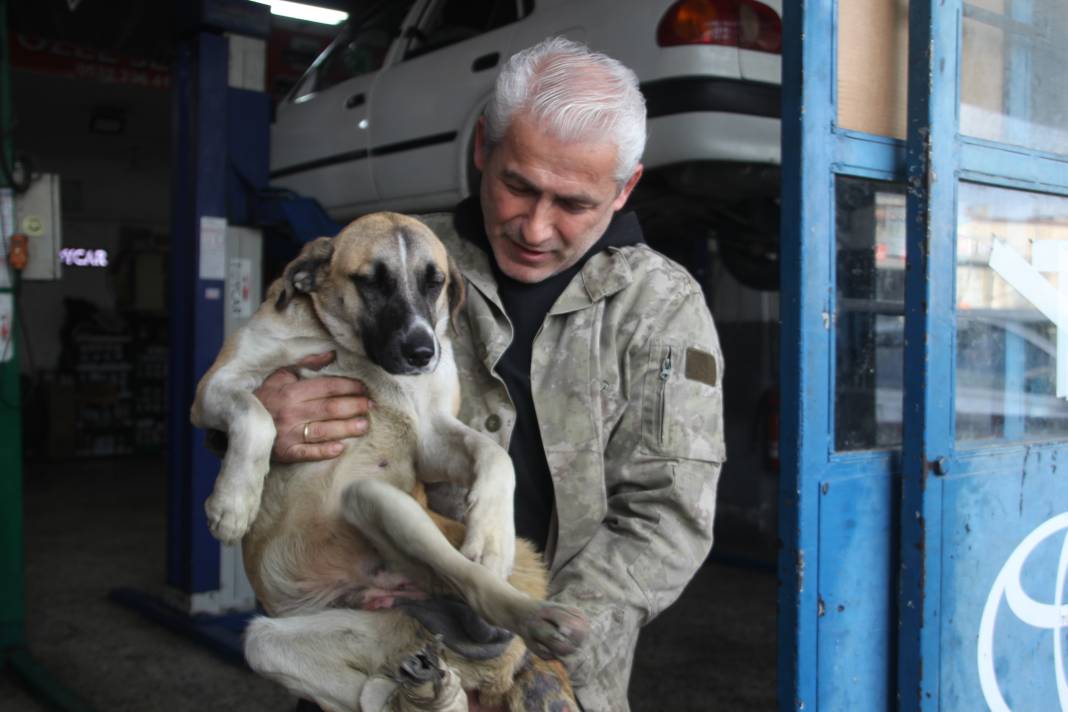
665, 374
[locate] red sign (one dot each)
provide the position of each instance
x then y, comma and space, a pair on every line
66, 59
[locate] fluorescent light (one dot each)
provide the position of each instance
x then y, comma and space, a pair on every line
300, 11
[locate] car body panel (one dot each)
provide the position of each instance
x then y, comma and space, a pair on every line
304, 143
422, 110
435, 117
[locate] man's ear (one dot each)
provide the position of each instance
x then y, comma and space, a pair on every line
304, 274
628, 187
455, 292
480, 143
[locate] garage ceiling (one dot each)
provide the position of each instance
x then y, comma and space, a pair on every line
134, 28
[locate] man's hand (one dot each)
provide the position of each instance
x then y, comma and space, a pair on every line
326, 410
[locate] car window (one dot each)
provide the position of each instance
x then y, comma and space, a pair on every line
452, 21
360, 49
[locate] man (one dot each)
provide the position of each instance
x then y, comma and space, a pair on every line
591, 357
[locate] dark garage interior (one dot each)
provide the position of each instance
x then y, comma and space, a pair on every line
93, 104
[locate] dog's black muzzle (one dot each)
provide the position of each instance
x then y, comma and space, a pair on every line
401, 344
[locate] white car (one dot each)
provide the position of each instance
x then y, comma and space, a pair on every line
385, 116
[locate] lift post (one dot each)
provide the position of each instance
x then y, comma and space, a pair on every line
220, 152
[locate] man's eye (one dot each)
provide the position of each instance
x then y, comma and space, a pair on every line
574, 208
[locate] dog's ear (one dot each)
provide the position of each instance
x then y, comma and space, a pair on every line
304, 274
455, 291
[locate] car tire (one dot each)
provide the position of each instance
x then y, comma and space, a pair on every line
751, 259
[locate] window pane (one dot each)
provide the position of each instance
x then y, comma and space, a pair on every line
1012, 247
1012, 72
869, 313
459, 20
364, 48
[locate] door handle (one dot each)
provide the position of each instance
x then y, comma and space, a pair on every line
355, 100
486, 61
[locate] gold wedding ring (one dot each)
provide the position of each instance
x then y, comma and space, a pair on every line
306, 426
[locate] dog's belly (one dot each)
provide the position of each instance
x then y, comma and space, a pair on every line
301, 554
326, 564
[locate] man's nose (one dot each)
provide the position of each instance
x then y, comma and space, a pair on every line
538, 228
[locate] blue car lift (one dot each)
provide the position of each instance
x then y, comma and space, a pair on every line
220, 157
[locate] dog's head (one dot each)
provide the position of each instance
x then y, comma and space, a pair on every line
384, 287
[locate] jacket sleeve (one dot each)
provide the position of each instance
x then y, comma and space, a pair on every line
662, 461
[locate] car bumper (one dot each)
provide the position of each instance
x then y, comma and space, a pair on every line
711, 119
681, 95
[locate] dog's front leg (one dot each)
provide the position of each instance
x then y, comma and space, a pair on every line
466, 457
235, 501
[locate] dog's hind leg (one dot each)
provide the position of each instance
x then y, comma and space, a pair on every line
235, 501
355, 661
427, 684
405, 534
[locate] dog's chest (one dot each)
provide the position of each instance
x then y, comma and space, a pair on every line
387, 451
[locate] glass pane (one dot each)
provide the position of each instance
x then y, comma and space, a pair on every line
1012, 247
364, 49
869, 313
1012, 72
458, 20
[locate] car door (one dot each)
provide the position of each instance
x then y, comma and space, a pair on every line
320, 137
426, 104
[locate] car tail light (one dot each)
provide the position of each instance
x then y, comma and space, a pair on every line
747, 24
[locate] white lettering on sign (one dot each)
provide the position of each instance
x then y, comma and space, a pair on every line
1046, 256
1044, 616
81, 257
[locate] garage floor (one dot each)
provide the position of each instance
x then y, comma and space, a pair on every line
91, 527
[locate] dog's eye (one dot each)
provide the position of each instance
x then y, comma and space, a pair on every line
433, 277
377, 279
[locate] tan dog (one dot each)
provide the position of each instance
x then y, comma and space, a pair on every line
322, 539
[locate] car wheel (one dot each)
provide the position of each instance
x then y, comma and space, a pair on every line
751, 259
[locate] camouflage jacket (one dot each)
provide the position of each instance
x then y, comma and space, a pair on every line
626, 379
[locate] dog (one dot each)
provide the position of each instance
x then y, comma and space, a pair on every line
323, 542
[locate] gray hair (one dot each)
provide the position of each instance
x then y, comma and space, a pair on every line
574, 93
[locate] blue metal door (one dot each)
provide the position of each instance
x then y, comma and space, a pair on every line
925, 271
984, 512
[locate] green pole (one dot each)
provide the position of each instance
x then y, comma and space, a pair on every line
12, 566
12, 603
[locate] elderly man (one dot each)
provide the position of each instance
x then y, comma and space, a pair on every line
591, 357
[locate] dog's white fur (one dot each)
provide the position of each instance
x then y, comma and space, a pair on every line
335, 533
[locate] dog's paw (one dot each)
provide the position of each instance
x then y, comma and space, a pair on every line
554, 631
490, 542
427, 682
231, 513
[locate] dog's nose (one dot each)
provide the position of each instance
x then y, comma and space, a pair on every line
418, 350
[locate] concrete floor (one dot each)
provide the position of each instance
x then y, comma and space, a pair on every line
94, 526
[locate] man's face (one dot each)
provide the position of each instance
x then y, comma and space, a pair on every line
546, 202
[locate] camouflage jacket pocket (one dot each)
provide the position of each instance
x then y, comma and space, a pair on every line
682, 401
